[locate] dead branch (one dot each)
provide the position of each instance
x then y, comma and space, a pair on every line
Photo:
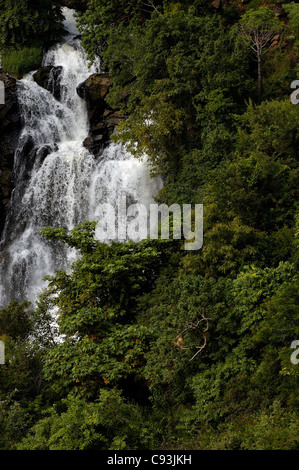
193, 326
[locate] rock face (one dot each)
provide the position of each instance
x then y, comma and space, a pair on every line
102, 117
10, 127
49, 78
218, 4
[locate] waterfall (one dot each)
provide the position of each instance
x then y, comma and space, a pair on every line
58, 182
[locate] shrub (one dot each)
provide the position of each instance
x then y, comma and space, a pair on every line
21, 61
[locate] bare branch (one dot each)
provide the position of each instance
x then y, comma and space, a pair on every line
193, 326
151, 5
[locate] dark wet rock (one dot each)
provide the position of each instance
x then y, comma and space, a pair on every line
49, 78
30, 156
10, 128
102, 117
43, 152
94, 91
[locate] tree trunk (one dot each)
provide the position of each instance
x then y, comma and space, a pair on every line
259, 73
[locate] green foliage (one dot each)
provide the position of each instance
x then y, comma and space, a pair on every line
108, 423
175, 76
262, 19
96, 307
250, 375
78, 5
293, 11
25, 21
26, 337
19, 62
158, 347
26, 26
14, 423
177, 95
21, 383
272, 429
16, 320
250, 203
101, 17
270, 128
258, 29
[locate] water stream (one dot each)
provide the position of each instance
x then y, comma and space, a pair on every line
58, 182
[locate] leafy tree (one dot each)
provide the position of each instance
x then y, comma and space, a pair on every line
108, 423
16, 320
22, 370
102, 17
24, 22
251, 373
156, 343
177, 101
293, 11
14, 421
22, 388
259, 27
97, 305
250, 203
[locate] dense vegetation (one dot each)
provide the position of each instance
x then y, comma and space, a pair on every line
26, 26
221, 130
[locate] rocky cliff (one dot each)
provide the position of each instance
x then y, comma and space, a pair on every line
102, 117
10, 127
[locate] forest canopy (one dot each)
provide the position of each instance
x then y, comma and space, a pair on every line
204, 90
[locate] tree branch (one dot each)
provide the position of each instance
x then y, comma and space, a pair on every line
193, 326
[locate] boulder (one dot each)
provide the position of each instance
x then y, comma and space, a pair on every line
10, 128
49, 78
102, 117
94, 91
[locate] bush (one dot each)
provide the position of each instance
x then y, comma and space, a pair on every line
14, 422
21, 61
106, 424
273, 429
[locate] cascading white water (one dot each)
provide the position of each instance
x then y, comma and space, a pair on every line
59, 183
